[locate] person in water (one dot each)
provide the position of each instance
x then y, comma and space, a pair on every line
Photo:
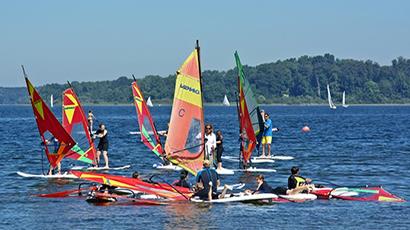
210, 142
267, 136
295, 180
263, 187
207, 182
90, 119
183, 180
219, 149
102, 133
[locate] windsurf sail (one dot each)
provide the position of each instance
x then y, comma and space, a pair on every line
75, 123
250, 118
160, 189
185, 141
329, 98
56, 141
226, 102
344, 100
367, 194
149, 102
51, 101
149, 135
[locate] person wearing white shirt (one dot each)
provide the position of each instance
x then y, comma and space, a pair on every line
210, 143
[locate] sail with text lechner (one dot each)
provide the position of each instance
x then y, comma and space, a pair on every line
56, 141
344, 100
149, 134
75, 123
185, 141
149, 102
329, 98
226, 102
250, 118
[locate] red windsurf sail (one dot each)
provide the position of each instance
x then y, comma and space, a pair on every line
158, 189
149, 135
250, 118
185, 141
75, 123
57, 142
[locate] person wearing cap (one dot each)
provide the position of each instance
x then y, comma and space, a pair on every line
207, 182
183, 180
267, 135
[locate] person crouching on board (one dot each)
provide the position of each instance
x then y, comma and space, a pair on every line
207, 182
263, 187
102, 133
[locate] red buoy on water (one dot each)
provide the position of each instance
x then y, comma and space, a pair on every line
305, 129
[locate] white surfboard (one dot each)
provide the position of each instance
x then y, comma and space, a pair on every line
254, 169
100, 168
299, 197
255, 160
161, 132
233, 186
225, 171
238, 197
62, 176
167, 167
277, 157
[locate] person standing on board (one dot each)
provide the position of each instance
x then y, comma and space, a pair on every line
210, 142
267, 135
90, 119
53, 142
102, 133
295, 180
219, 149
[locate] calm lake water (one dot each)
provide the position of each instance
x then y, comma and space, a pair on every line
357, 145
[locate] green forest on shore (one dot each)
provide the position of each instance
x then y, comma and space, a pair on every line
300, 80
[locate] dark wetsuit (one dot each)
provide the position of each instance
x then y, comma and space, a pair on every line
205, 176
103, 144
219, 149
264, 188
295, 181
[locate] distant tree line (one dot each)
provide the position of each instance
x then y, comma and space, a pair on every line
291, 81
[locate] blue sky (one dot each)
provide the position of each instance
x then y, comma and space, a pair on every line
101, 40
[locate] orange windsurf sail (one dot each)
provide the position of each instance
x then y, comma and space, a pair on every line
185, 140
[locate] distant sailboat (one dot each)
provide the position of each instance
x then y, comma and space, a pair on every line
344, 100
51, 101
149, 102
329, 97
226, 102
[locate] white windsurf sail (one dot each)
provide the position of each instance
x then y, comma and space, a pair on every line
329, 98
149, 102
51, 101
344, 100
226, 102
